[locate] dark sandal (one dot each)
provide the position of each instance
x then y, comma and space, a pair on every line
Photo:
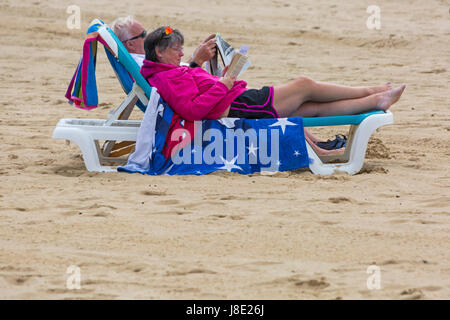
339, 142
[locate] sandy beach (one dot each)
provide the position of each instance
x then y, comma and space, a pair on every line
292, 235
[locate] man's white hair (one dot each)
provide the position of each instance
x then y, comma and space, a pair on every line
121, 27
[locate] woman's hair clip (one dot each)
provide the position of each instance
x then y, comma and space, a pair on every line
168, 30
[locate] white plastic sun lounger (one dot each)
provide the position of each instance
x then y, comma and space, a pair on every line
87, 133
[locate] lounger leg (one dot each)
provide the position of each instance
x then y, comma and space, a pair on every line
87, 146
316, 165
359, 138
90, 154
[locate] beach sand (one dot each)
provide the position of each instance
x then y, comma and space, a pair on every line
292, 235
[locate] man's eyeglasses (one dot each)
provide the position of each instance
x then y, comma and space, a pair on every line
142, 35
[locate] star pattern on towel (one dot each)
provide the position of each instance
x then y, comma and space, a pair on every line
229, 165
283, 122
252, 149
283, 154
228, 122
160, 110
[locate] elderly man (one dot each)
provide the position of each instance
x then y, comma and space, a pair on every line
132, 34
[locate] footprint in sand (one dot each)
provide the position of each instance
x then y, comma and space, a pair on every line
192, 271
220, 216
97, 206
368, 168
435, 71
17, 280
72, 171
340, 200
328, 223
412, 294
425, 221
312, 284
102, 214
153, 193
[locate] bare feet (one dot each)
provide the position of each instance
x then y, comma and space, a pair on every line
382, 88
388, 98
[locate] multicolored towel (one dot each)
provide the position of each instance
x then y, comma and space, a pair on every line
166, 144
82, 90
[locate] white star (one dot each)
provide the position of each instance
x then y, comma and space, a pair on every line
182, 123
278, 163
228, 122
296, 153
198, 172
283, 122
229, 165
252, 149
160, 110
193, 151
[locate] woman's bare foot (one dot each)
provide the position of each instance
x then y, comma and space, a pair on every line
382, 88
388, 98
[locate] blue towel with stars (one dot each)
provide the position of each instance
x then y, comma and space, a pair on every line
238, 145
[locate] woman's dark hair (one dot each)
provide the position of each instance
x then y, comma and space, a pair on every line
159, 38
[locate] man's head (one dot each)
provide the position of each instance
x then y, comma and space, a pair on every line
131, 33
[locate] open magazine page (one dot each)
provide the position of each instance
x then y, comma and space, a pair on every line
226, 52
244, 50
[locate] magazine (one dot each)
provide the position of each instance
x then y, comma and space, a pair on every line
237, 61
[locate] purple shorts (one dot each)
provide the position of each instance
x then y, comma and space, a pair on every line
254, 104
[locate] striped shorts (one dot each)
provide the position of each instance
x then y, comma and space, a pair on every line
254, 104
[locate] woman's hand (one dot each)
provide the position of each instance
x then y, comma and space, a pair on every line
228, 81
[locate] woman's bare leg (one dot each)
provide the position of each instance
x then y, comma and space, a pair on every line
336, 108
326, 92
378, 101
311, 137
288, 97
